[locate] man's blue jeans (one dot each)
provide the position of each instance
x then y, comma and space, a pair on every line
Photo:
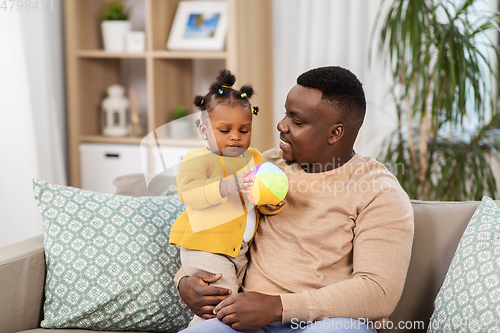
329, 325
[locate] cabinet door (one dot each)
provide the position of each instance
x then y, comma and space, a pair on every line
167, 159
102, 163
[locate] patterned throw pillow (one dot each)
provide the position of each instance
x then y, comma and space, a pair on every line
109, 264
469, 300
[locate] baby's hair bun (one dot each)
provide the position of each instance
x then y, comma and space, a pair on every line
224, 80
248, 90
198, 101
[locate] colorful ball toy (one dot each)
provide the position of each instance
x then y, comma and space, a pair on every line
270, 185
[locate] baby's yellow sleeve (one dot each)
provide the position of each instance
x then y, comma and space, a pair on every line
195, 189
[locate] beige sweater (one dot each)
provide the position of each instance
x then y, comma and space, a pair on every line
340, 248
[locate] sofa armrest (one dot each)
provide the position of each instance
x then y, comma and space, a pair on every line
22, 277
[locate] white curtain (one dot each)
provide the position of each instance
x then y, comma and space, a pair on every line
314, 33
32, 125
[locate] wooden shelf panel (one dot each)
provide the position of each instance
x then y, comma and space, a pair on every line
107, 55
193, 142
101, 54
172, 86
161, 15
110, 139
190, 54
94, 78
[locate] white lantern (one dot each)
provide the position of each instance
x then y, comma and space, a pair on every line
114, 107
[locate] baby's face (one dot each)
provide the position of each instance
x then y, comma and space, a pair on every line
231, 129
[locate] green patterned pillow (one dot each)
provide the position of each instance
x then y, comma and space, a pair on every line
109, 264
469, 300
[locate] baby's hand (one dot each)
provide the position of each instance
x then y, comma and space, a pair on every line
275, 207
244, 182
236, 184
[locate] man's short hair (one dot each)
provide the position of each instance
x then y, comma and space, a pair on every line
339, 87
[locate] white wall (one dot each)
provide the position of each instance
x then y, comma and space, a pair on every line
32, 112
314, 33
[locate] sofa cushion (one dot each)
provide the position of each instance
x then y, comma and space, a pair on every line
469, 300
139, 185
45, 330
438, 228
133, 185
109, 264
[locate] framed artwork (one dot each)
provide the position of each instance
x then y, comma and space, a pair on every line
199, 25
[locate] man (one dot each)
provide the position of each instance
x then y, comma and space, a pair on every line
341, 247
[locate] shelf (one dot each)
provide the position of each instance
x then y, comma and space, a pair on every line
190, 54
109, 139
155, 54
194, 142
104, 54
163, 79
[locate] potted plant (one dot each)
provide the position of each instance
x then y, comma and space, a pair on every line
115, 26
438, 53
180, 126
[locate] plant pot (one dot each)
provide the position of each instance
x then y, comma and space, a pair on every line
180, 129
114, 35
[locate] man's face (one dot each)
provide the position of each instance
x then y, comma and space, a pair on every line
306, 128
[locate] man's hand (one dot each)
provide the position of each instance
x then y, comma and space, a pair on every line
249, 310
274, 207
199, 296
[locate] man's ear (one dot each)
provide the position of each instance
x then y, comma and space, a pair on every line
336, 132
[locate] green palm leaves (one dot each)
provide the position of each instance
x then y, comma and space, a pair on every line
437, 52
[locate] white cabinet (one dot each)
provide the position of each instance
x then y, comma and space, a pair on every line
101, 163
167, 159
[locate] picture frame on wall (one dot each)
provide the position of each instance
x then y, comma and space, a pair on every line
199, 25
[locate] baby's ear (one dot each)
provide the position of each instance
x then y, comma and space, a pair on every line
336, 132
202, 128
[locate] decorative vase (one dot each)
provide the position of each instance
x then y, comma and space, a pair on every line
114, 109
114, 35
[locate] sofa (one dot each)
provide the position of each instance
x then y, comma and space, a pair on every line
438, 229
